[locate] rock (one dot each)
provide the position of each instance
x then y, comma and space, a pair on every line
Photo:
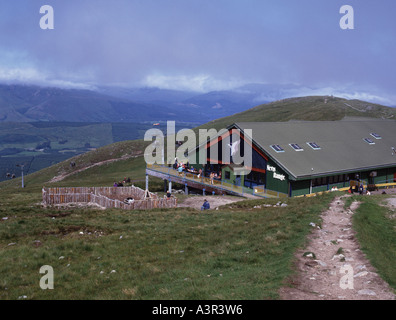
323, 264
113, 271
12, 244
361, 274
339, 256
284, 205
312, 224
311, 264
4, 218
61, 257
37, 243
367, 292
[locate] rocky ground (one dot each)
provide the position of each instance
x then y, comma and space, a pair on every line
332, 266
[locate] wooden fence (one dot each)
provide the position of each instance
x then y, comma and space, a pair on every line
107, 197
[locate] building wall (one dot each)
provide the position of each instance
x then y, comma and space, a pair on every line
300, 188
276, 179
233, 177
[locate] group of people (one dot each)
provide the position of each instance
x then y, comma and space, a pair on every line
181, 167
121, 184
185, 167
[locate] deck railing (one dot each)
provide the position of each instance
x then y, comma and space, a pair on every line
217, 183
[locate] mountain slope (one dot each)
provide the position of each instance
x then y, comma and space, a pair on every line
31, 103
302, 108
313, 108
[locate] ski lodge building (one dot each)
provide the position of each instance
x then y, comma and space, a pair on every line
298, 158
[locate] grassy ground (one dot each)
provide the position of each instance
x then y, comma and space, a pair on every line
375, 225
230, 253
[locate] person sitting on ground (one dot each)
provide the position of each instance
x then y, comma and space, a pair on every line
120, 184
168, 194
115, 184
205, 206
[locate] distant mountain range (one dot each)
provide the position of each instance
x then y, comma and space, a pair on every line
28, 103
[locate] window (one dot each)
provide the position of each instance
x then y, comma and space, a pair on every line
369, 141
227, 175
277, 148
314, 145
375, 135
296, 147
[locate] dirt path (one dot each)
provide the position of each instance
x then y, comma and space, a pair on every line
65, 175
333, 273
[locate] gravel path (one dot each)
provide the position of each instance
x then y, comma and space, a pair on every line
334, 273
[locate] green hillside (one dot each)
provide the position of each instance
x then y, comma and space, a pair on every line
301, 108
240, 251
314, 108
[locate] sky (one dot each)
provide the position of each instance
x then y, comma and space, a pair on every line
203, 45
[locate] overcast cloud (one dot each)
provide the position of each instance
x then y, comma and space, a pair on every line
202, 45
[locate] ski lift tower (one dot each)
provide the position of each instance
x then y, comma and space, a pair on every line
21, 166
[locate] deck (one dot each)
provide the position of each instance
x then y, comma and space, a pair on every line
203, 183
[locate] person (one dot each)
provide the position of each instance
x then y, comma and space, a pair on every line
205, 206
180, 170
199, 173
115, 184
361, 189
211, 176
168, 194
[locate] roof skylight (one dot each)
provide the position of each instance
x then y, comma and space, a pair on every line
375, 135
296, 147
277, 148
369, 141
314, 145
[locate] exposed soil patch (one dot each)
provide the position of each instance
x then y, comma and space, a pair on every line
333, 266
214, 201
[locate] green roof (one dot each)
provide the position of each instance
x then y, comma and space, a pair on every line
342, 145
